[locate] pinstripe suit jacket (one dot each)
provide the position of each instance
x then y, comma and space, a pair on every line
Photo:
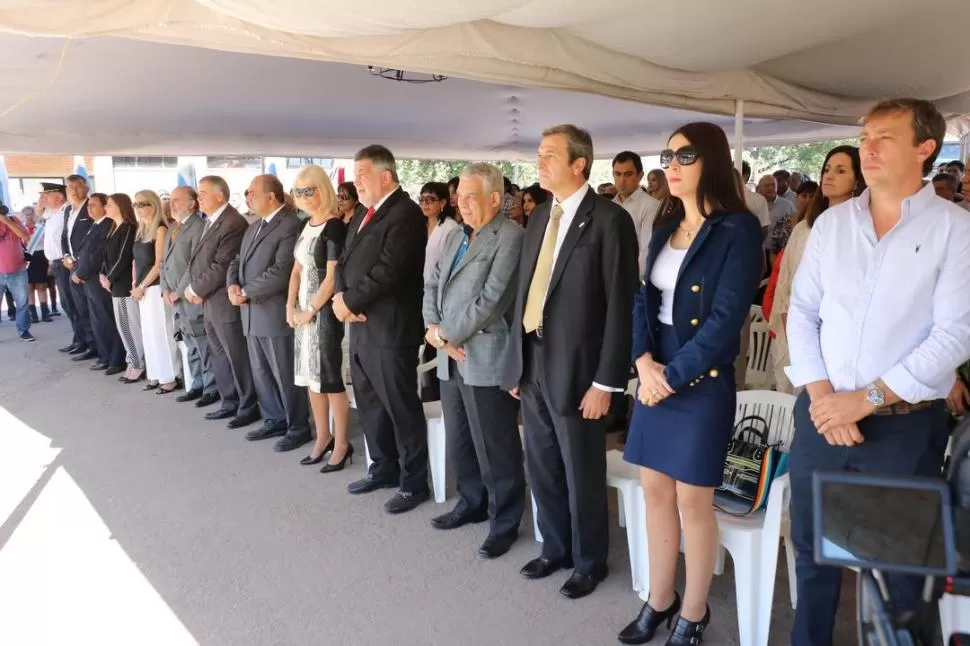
473, 303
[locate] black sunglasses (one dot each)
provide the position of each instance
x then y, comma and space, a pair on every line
686, 155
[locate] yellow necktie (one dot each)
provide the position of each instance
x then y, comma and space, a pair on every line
536, 300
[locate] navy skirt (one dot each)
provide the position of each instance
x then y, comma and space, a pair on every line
686, 435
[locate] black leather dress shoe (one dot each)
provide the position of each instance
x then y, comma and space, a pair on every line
291, 441
80, 348
99, 366
189, 396
267, 430
580, 585
87, 355
455, 519
240, 421
114, 370
542, 567
207, 400
68, 348
222, 413
404, 501
497, 544
368, 484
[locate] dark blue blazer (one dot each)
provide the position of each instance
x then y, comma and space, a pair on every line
91, 250
715, 287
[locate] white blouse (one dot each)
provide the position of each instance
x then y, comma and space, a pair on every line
436, 244
663, 276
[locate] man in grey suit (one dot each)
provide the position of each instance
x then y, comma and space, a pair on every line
219, 243
181, 239
259, 279
468, 305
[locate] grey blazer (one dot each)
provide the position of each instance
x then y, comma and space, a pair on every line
210, 260
473, 304
262, 268
175, 270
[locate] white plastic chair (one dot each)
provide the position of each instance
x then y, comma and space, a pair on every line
756, 315
752, 541
759, 373
437, 458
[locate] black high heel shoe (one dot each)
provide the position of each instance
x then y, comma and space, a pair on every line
642, 629
689, 633
308, 460
348, 457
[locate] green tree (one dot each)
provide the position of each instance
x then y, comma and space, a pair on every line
804, 158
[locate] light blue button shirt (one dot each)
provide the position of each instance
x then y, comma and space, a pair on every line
896, 309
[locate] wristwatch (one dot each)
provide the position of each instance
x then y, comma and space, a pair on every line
875, 396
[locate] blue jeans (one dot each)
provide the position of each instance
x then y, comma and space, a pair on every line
16, 282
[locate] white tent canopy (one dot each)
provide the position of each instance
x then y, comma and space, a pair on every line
226, 76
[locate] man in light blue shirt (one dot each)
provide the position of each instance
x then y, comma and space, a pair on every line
878, 323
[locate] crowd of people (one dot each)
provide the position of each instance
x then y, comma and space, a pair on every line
539, 305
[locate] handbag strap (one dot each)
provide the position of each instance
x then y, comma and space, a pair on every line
742, 432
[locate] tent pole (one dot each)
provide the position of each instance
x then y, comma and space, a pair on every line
738, 132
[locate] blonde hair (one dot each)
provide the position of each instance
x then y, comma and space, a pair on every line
146, 231
315, 176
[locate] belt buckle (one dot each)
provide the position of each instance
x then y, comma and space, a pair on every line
539, 332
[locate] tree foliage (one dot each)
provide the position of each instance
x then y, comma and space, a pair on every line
805, 158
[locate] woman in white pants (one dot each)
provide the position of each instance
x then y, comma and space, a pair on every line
157, 338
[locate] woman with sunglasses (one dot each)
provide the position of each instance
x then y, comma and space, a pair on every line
116, 277
318, 335
348, 204
702, 271
157, 333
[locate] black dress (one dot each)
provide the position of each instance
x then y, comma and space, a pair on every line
118, 259
329, 247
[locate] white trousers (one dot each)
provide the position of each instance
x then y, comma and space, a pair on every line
156, 337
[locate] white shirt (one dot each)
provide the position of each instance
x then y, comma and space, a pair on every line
664, 277
791, 196
436, 244
895, 309
569, 207
758, 205
377, 206
779, 209
643, 209
54, 226
71, 220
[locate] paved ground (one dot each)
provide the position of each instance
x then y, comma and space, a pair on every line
126, 519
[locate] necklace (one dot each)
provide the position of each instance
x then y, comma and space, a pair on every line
687, 232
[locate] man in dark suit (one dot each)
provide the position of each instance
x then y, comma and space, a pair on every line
379, 285
570, 350
468, 310
87, 270
182, 238
219, 243
76, 225
259, 280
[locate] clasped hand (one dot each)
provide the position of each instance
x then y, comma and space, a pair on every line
343, 313
835, 416
236, 295
653, 384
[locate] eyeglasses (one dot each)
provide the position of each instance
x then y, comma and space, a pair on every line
304, 192
141, 205
685, 155
429, 200
343, 198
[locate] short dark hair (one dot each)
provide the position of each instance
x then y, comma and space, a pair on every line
807, 187
782, 174
928, 123
217, 183
579, 144
272, 184
100, 198
957, 164
380, 157
440, 191
745, 169
946, 177
453, 183
629, 156
77, 178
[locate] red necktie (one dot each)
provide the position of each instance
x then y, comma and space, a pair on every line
367, 218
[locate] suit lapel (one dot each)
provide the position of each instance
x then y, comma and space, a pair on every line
705, 231
530, 249
357, 233
484, 240
208, 234
576, 229
260, 235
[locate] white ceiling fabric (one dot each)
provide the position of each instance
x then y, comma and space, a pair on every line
824, 64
